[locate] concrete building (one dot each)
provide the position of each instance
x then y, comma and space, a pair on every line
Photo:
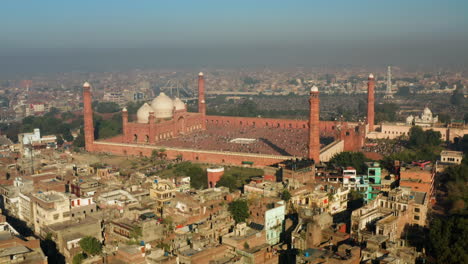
418, 179
451, 157
68, 234
15, 249
49, 208
391, 213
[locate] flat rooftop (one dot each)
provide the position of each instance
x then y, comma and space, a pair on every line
270, 141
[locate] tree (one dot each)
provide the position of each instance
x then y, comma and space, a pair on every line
444, 118
228, 181
91, 245
419, 138
349, 159
416, 138
432, 137
154, 154
78, 258
239, 210
448, 240
286, 195
457, 98
107, 107
386, 112
79, 140
403, 91
198, 179
246, 245
59, 140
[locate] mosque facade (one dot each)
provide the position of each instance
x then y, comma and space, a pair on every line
165, 118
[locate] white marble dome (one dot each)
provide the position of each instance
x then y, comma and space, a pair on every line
162, 106
178, 104
410, 119
143, 113
427, 112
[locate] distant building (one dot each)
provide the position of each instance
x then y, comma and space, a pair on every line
49, 208
15, 249
426, 119
33, 142
451, 157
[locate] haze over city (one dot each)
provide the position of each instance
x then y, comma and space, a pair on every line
108, 35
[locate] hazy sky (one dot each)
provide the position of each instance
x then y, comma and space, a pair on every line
147, 33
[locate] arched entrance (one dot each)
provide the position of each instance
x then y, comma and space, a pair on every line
181, 125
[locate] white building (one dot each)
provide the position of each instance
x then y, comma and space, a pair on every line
424, 120
274, 218
50, 208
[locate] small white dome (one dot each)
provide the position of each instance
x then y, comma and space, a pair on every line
427, 111
124, 109
200, 74
86, 85
314, 89
162, 106
178, 104
371, 76
410, 119
143, 113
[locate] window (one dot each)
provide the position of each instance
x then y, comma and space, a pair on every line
56, 216
416, 217
417, 210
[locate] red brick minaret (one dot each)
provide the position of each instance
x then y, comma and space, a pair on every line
152, 127
125, 124
370, 102
88, 117
314, 135
201, 98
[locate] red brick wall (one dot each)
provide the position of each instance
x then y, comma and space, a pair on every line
191, 155
181, 123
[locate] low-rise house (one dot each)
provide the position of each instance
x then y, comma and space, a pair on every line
68, 234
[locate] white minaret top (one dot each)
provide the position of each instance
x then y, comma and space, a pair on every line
124, 109
200, 74
314, 89
86, 85
371, 76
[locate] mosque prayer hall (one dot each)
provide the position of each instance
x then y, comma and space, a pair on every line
194, 136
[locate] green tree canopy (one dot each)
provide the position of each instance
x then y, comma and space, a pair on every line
198, 179
349, 159
228, 181
419, 138
404, 91
106, 107
78, 258
386, 112
91, 245
239, 210
457, 98
448, 240
286, 195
